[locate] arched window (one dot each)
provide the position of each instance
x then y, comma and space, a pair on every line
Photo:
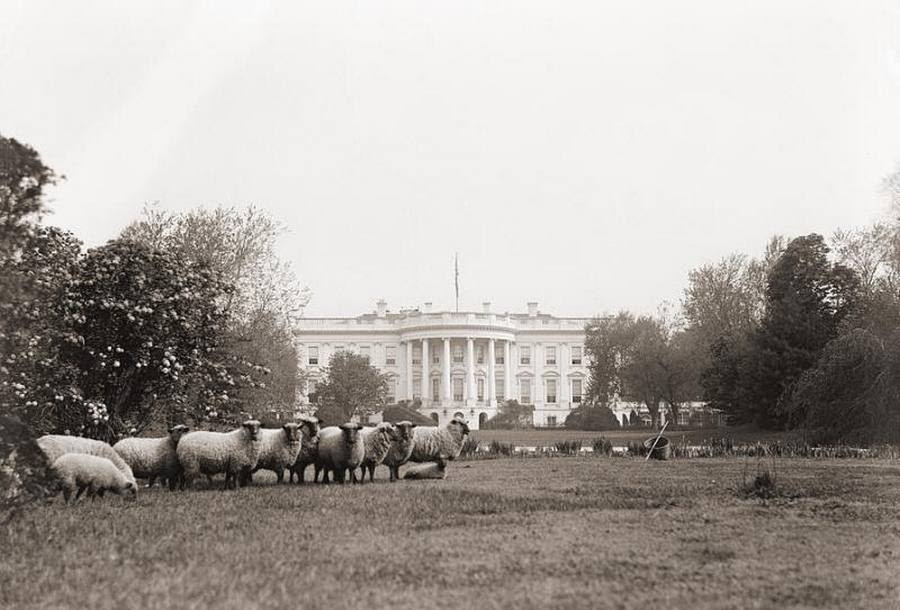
434, 416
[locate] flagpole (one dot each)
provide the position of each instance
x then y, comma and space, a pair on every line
456, 279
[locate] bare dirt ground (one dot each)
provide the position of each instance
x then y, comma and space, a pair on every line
579, 532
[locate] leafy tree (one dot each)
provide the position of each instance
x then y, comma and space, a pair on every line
853, 391
807, 298
267, 300
511, 416
591, 417
352, 388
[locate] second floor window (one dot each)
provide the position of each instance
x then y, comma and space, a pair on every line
524, 355
576, 354
551, 356
479, 351
417, 355
365, 351
457, 354
312, 355
390, 355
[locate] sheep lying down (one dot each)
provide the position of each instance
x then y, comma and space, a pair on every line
433, 470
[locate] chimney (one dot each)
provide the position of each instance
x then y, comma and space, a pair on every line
426, 308
532, 308
382, 307
486, 307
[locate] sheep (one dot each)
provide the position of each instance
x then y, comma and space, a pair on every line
377, 442
279, 449
55, 446
340, 449
235, 453
309, 448
95, 474
432, 470
437, 444
400, 449
150, 458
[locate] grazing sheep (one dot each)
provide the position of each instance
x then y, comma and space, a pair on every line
55, 446
279, 449
80, 471
377, 442
340, 450
235, 453
150, 458
309, 447
437, 444
432, 470
400, 449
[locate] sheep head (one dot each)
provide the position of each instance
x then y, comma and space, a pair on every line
389, 431
310, 429
405, 429
252, 427
176, 432
351, 432
292, 433
458, 425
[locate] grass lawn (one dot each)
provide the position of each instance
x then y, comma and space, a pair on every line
549, 436
512, 533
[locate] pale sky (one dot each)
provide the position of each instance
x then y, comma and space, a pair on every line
585, 155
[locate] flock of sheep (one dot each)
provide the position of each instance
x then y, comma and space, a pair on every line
83, 464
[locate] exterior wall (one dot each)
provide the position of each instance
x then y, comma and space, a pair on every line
468, 338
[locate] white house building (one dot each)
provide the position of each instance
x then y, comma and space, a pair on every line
460, 364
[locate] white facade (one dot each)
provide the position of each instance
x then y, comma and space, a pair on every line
460, 363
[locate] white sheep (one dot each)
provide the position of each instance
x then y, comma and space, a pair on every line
432, 470
439, 443
279, 449
235, 453
340, 450
309, 447
150, 458
400, 449
376, 442
55, 446
97, 475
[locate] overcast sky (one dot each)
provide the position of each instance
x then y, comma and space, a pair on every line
583, 155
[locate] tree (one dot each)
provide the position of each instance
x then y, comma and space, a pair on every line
853, 391
267, 300
871, 253
806, 299
591, 417
352, 388
511, 416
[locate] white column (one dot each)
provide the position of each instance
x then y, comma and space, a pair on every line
409, 370
537, 386
563, 362
448, 391
471, 390
426, 378
507, 371
491, 390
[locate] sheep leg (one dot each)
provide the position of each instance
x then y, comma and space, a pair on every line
279, 475
371, 473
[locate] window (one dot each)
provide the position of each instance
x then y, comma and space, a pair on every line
365, 351
551, 421
458, 388
550, 356
390, 355
312, 355
311, 392
436, 389
479, 351
525, 391
417, 388
499, 390
434, 416
457, 353
524, 355
551, 390
683, 418
392, 390
417, 355
498, 358
435, 357
480, 389
576, 354
576, 390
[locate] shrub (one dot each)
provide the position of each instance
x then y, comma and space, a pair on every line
593, 418
602, 446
